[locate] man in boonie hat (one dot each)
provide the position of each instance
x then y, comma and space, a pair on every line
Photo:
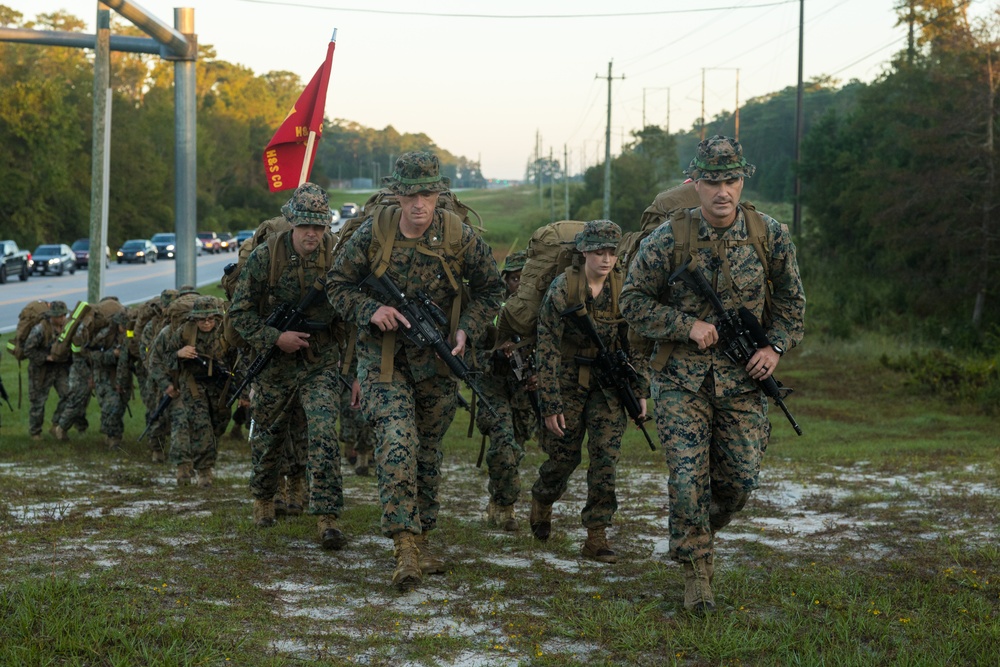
44, 372
711, 414
511, 272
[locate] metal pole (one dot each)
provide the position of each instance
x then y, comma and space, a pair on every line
737, 114
607, 155
797, 203
566, 179
185, 158
98, 159
703, 104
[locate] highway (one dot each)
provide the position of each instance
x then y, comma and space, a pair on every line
131, 283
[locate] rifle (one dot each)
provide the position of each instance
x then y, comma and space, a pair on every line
153, 416
740, 333
5, 396
524, 370
613, 368
424, 317
283, 318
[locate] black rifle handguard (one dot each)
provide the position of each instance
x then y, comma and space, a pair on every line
740, 333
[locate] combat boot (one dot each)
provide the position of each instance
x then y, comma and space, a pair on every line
263, 513
330, 537
36, 436
597, 548
114, 442
540, 520
429, 563
407, 574
491, 514
506, 518
281, 498
58, 432
205, 476
361, 463
159, 456
185, 471
296, 495
236, 432
698, 587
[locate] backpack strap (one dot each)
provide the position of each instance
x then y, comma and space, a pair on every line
385, 225
684, 226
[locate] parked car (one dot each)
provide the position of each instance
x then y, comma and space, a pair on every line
227, 241
211, 242
137, 250
14, 261
55, 258
349, 210
82, 249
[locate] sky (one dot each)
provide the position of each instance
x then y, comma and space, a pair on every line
493, 80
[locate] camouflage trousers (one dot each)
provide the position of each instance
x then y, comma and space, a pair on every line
355, 431
507, 433
77, 395
192, 439
713, 447
409, 420
313, 395
151, 397
111, 401
42, 378
602, 420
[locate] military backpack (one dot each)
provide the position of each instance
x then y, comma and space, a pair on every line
29, 316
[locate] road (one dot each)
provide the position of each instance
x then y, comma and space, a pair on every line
131, 283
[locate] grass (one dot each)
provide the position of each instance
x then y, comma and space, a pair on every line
887, 555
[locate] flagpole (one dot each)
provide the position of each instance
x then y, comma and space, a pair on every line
324, 82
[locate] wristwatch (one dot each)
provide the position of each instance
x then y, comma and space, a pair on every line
777, 348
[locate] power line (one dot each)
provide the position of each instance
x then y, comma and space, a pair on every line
693, 10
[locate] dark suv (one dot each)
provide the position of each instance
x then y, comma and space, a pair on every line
82, 249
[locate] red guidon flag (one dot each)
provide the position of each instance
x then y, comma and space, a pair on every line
289, 155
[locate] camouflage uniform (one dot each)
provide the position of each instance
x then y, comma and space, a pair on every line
193, 442
710, 415
356, 434
411, 412
44, 375
306, 380
571, 390
80, 386
151, 395
516, 423
103, 351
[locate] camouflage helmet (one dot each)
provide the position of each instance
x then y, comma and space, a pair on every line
719, 158
167, 297
598, 234
205, 307
416, 171
515, 261
56, 309
309, 205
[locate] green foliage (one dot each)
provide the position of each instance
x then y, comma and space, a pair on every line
967, 380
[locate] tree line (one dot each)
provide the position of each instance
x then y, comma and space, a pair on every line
46, 132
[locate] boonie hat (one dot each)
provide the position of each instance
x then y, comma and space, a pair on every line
416, 171
719, 158
309, 205
205, 307
57, 308
515, 261
598, 234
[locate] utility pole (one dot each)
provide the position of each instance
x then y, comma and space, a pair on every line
797, 204
607, 150
552, 188
566, 179
644, 107
538, 164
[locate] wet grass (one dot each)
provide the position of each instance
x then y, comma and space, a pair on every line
872, 541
